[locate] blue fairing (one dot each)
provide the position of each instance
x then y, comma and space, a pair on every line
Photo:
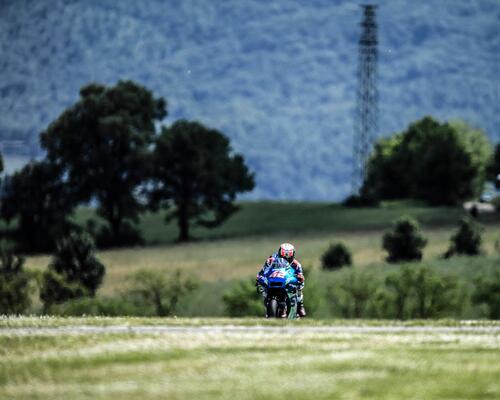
279, 275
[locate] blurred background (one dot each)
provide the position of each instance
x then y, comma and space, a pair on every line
277, 77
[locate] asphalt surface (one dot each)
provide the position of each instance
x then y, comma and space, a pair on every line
233, 329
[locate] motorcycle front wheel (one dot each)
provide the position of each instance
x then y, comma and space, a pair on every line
272, 308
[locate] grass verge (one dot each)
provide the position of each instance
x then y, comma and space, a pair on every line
250, 365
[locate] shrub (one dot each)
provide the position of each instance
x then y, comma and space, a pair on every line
352, 294
407, 293
435, 296
14, 283
107, 306
73, 272
467, 240
243, 300
56, 289
487, 292
158, 294
336, 256
405, 242
399, 285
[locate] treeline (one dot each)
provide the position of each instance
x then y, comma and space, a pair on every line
108, 150
438, 163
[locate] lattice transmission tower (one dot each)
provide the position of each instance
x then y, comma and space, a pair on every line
366, 114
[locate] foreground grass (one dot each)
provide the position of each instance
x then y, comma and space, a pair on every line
249, 365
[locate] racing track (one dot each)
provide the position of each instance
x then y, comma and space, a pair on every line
229, 329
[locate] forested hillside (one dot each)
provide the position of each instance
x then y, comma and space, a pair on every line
277, 77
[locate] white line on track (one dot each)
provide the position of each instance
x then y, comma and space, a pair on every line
228, 329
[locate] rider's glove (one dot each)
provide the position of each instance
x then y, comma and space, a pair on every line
300, 278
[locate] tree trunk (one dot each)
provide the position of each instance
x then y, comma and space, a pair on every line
115, 223
183, 223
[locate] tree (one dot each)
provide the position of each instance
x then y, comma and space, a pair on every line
405, 242
1, 186
14, 283
74, 270
102, 145
195, 170
445, 170
440, 163
493, 169
387, 173
40, 203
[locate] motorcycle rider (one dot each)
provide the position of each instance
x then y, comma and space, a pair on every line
286, 251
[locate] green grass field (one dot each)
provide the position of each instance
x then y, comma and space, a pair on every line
289, 218
238, 248
249, 364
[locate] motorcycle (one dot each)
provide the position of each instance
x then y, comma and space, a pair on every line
280, 285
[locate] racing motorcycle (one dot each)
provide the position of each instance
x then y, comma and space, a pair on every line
280, 285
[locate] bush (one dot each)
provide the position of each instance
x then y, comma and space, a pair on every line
243, 300
467, 240
435, 296
399, 285
336, 256
14, 283
107, 306
487, 292
350, 296
158, 294
56, 289
407, 293
421, 293
73, 272
405, 242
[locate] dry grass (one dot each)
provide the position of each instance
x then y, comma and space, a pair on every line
242, 257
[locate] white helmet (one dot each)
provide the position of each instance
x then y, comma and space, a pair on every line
287, 251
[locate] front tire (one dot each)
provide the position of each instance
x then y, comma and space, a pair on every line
272, 308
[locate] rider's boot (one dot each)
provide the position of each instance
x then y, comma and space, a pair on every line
301, 310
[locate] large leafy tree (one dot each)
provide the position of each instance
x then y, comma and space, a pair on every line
40, 203
102, 144
195, 169
386, 177
1, 170
440, 163
494, 167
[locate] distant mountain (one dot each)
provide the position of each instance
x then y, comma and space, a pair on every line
276, 76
